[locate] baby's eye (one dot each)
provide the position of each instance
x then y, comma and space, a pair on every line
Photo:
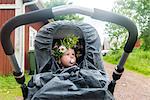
67, 54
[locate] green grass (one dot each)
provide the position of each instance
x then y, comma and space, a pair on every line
138, 61
9, 88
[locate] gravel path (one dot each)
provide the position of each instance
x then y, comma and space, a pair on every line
131, 86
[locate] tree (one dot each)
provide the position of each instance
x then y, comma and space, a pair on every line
54, 3
117, 36
143, 9
145, 37
139, 12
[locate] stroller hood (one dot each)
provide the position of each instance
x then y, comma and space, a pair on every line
91, 58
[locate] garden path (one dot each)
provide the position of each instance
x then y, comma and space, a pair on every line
131, 86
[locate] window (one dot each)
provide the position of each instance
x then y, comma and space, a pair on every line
32, 34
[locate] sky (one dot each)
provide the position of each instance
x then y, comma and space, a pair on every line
100, 4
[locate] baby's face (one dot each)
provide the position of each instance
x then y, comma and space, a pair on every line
68, 58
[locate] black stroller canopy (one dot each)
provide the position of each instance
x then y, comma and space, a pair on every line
89, 38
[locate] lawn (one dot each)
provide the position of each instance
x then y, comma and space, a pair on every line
9, 88
138, 61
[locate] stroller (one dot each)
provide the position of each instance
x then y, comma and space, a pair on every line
89, 80
82, 82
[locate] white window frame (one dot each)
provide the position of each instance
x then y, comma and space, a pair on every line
32, 34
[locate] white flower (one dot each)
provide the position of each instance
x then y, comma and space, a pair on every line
62, 49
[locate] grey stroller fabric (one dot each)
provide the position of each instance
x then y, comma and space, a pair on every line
85, 81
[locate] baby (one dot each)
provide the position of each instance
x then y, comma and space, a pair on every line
68, 58
63, 51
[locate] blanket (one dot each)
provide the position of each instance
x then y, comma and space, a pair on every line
70, 83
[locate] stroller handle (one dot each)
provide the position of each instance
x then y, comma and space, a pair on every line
44, 14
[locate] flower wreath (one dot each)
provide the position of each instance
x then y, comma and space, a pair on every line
61, 46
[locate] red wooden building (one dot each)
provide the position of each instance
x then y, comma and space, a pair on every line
23, 36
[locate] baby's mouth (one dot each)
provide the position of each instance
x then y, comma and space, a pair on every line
72, 61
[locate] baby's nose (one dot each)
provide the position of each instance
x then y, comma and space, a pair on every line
71, 56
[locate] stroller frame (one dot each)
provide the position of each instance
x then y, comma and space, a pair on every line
36, 16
